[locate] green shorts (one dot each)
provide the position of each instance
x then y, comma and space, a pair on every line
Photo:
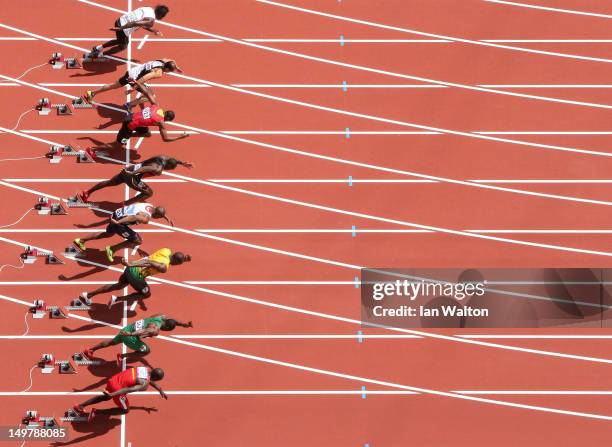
134, 343
130, 276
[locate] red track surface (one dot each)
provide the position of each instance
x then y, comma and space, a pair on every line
432, 364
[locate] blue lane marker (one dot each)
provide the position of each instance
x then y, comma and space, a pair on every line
341, 40
344, 86
363, 392
360, 336
347, 132
356, 282
350, 180
354, 231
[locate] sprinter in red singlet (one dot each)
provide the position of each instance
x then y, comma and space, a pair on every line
138, 123
119, 385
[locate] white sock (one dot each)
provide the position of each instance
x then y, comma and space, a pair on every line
99, 47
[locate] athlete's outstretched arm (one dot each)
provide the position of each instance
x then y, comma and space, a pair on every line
153, 74
181, 324
158, 388
164, 134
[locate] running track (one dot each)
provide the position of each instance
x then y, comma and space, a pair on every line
274, 358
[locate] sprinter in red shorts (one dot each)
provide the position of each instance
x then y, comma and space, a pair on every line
119, 385
138, 123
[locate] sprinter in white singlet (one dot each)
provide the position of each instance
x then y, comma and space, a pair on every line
137, 76
126, 24
119, 224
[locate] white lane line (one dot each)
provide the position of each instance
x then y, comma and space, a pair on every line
364, 68
411, 31
328, 181
81, 180
315, 393
128, 97
355, 378
307, 231
138, 142
313, 40
548, 8
320, 132
314, 106
333, 210
331, 86
317, 337
142, 42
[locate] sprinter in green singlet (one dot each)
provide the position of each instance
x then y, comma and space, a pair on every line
132, 334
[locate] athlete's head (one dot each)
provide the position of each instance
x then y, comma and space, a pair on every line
169, 325
178, 258
157, 374
168, 115
169, 66
161, 11
158, 212
171, 163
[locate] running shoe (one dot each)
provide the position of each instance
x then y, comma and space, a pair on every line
109, 253
83, 195
80, 244
88, 96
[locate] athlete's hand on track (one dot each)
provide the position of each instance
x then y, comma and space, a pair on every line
158, 33
114, 28
107, 394
163, 395
188, 165
190, 324
125, 262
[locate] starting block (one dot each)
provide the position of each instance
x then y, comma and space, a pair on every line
63, 109
72, 416
31, 419
56, 313
85, 157
39, 309
31, 254
88, 58
71, 252
77, 305
47, 364
43, 106
81, 359
57, 60
56, 153
65, 367
44, 207
80, 103
76, 202
72, 63
48, 421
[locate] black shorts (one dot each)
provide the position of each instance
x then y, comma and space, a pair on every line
124, 231
120, 35
129, 276
126, 132
125, 79
133, 181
